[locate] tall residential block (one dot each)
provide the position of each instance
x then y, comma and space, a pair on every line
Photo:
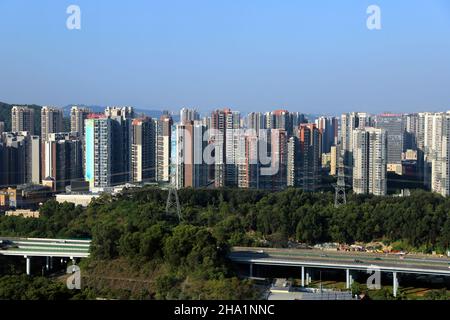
248, 161
121, 140
394, 125
51, 121
77, 117
108, 148
187, 115
440, 154
191, 170
19, 158
143, 150
370, 161
329, 129
279, 160
99, 150
63, 159
222, 124
22, 119
350, 122
304, 158
256, 121
163, 148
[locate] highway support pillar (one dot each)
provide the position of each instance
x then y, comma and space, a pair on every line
395, 284
51, 263
308, 278
47, 263
349, 279
303, 276
251, 270
28, 268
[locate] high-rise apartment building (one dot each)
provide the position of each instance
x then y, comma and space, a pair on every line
77, 117
369, 161
22, 119
279, 160
19, 158
143, 150
334, 160
283, 119
248, 161
439, 154
256, 121
304, 158
411, 131
99, 151
2, 127
222, 124
350, 122
191, 170
63, 159
232, 156
121, 139
329, 129
269, 118
51, 121
108, 148
298, 119
188, 115
120, 112
394, 125
163, 148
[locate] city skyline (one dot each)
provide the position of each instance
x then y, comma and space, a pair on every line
296, 56
212, 150
271, 150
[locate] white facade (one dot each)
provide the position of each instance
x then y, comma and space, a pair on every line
439, 154
369, 161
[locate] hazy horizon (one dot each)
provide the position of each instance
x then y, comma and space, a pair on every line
312, 57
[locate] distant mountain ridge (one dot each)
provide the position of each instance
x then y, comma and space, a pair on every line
155, 114
5, 114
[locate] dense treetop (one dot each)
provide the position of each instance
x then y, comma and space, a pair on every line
187, 259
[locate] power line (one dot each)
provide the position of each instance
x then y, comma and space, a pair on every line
173, 202
340, 197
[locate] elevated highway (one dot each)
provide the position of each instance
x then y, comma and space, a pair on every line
348, 261
49, 248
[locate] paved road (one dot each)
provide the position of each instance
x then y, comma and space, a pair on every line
357, 260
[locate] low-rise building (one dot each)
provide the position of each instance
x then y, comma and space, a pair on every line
77, 199
25, 213
27, 196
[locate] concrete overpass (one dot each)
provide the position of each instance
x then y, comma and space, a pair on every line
49, 248
347, 261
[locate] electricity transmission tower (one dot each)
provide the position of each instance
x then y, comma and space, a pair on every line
173, 202
340, 196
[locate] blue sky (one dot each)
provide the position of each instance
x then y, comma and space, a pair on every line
313, 56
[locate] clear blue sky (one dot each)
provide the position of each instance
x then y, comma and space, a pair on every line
313, 56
